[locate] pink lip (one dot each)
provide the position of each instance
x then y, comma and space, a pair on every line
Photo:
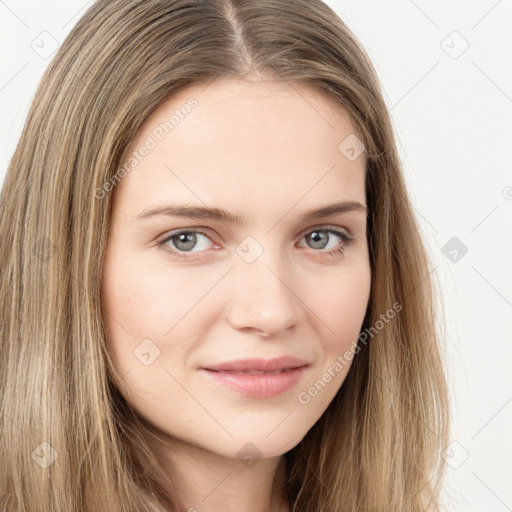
265, 365
234, 375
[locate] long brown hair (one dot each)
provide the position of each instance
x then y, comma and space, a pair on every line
68, 439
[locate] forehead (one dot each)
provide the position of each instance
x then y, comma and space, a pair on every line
231, 141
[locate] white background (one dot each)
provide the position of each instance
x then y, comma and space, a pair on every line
452, 112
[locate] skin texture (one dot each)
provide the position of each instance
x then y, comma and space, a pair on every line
268, 151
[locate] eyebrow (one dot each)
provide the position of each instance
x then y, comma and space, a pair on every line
218, 214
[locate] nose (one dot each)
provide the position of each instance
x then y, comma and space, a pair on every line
262, 296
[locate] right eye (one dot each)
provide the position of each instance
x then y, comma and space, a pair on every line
183, 241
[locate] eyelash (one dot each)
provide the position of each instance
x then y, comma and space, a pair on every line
347, 240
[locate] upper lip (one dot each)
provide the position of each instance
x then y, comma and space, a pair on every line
261, 365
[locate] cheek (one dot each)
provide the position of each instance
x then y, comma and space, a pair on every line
141, 307
341, 305
341, 308
136, 310
148, 298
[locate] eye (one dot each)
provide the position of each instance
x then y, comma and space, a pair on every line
180, 243
320, 238
183, 242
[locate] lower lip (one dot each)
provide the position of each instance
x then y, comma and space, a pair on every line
259, 386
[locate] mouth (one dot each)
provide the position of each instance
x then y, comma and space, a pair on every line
258, 378
259, 366
253, 372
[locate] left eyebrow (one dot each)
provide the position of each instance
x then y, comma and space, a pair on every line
218, 214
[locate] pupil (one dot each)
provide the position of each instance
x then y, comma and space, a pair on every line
318, 237
189, 239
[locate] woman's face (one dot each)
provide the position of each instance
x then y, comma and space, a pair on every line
185, 292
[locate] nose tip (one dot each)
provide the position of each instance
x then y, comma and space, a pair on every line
262, 301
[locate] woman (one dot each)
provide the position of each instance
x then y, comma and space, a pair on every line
214, 291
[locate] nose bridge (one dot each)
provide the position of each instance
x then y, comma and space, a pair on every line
262, 289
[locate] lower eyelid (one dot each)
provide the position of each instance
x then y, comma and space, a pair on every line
346, 239
340, 232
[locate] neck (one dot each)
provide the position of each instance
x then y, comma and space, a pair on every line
208, 482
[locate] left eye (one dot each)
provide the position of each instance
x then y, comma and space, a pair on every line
319, 237
184, 241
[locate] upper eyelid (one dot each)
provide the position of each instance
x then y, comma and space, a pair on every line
203, 230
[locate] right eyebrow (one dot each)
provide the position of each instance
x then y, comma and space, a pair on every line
218, 214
